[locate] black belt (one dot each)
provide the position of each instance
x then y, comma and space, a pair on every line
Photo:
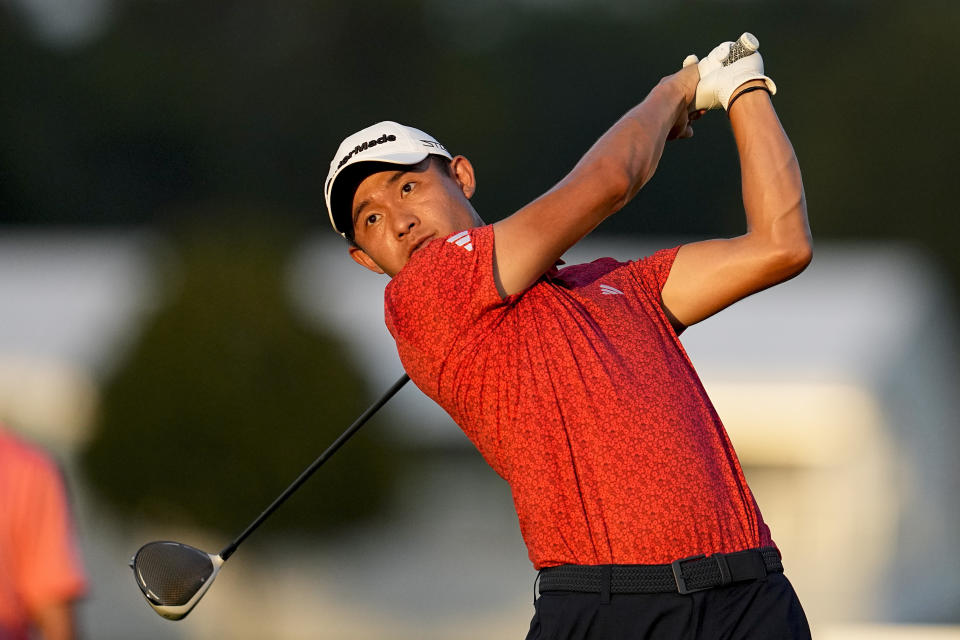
686, 575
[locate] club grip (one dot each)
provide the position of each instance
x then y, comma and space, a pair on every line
747, 44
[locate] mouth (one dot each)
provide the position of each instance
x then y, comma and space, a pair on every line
419, 244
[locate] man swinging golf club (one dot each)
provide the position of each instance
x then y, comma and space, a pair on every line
572, 382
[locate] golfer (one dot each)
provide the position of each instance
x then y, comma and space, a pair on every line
572, 381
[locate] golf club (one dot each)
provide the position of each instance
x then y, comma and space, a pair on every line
744, 46
174, 576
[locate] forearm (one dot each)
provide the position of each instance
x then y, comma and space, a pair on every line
629, 152
773, 198
607, 176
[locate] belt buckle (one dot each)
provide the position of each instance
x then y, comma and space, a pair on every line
678, 574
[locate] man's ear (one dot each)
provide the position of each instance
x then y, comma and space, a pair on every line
360, 257
463, 173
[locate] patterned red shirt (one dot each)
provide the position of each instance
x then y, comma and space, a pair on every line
579, 394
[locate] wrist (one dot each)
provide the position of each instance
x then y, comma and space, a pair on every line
757, 82
753, 86
677, 90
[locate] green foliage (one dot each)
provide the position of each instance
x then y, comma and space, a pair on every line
227, 396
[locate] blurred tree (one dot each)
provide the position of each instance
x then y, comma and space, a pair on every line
227, 396
183, 101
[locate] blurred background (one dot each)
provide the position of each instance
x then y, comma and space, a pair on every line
181, 329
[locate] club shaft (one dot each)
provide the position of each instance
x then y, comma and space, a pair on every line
316, 464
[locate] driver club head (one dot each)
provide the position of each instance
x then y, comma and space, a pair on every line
174, 576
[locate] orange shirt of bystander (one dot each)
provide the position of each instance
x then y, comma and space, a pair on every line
39, 562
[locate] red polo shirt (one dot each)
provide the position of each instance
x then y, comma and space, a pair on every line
579, 394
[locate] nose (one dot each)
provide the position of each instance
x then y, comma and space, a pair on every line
404, 223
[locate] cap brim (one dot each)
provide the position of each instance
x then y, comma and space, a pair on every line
352, 174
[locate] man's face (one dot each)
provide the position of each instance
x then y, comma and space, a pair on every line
398, 211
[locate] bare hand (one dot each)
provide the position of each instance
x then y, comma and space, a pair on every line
686, 80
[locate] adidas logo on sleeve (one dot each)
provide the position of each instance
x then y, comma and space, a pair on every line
607, 290
462, 239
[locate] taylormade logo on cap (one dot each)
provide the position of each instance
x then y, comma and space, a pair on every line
386, 141
385, 138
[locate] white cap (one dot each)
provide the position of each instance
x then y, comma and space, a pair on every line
385, 141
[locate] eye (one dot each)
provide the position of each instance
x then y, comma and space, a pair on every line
372, 219
407, 188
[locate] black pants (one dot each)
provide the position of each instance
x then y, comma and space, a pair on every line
765, 609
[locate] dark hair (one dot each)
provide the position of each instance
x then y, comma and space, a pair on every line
345, 186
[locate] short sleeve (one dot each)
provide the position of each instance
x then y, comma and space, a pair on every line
652, 272
443, 289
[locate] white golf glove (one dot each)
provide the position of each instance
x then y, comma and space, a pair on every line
721, 73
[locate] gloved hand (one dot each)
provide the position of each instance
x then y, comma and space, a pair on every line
728, 66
